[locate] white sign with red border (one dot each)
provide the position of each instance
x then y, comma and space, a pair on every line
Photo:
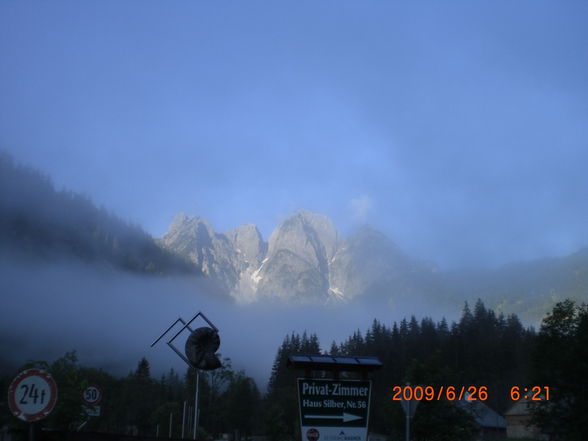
92, 395
32, 395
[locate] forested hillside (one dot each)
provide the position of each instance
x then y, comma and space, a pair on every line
482, 349
529, 289
37, 221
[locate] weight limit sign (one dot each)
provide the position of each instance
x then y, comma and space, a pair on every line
32, 395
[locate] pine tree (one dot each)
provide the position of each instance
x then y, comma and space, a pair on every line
281, 399
560, 361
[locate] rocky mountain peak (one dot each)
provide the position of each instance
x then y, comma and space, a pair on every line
187, 234
309, 235
305, 259
193, 237
297, 262
248, 243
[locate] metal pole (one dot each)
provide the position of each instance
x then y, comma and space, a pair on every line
408, 422
171, 415
183, 419
197, 373
197, 378
157, 431
189, 419
408, 403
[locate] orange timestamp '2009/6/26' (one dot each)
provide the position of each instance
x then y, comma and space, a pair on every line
430, 393
469, 393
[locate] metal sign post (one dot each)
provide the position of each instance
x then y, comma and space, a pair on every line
183, 419
197, 380
200, 350
409, 407
407, 425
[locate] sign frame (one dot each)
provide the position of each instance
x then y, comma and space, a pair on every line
16, 383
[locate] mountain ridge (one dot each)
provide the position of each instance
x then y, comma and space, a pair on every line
305, 258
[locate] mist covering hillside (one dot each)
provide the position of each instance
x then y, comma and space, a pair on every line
37, 221
304, 261
94, 283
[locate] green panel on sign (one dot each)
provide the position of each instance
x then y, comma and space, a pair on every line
334, 403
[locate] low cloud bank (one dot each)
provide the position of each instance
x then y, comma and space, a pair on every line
111, 318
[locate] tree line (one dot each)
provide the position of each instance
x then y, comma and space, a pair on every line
140, 404
37, 221
482, 348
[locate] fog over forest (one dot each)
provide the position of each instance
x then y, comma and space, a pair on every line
111, 318
75, 277
289, 169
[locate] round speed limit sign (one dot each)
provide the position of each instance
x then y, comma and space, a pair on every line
92, 395
32, 395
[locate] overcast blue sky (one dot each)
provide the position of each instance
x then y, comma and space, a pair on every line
460, 129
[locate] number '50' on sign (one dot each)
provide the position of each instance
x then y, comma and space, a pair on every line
92, 395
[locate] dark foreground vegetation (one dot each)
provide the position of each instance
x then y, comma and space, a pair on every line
481, 349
